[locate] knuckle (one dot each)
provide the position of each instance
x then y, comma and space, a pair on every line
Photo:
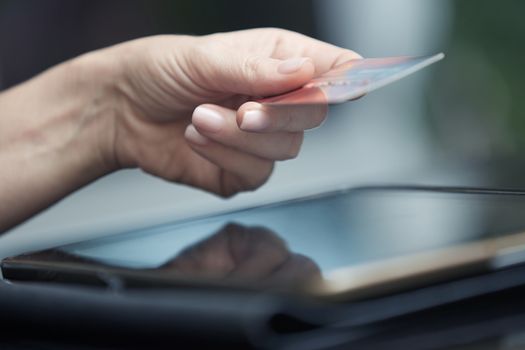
228, 186
294, 146
308, 269
277, 255
232, 231
228, 191
252, 67
320, 116
253, 183
239, 183
251, 72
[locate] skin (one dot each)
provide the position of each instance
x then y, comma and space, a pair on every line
178, 107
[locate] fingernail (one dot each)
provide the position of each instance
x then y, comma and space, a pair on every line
193, 136
291, 65
254, 121
207, 119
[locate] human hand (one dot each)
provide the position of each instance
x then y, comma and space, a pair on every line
177, 107
182, 110
245, 254
248, 255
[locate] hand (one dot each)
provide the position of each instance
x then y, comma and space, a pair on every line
245, 254
174, 106
183, 113
235, 253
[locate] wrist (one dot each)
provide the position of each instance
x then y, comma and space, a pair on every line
63, 113
94, 80
55, 136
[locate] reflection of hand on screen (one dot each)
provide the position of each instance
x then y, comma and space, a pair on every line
246, 254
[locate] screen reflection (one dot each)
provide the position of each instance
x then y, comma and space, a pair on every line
286, 243
233, 255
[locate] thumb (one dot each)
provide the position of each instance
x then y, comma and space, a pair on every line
262, 76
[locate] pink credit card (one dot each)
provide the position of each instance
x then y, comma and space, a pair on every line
353, 79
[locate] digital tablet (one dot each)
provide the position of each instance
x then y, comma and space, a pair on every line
344, 245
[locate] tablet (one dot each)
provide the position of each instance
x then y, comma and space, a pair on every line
343, 245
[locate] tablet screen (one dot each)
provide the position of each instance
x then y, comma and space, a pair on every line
314, 236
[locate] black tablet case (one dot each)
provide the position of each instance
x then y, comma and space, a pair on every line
437, 316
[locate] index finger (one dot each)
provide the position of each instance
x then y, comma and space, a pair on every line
324, 55
287, 44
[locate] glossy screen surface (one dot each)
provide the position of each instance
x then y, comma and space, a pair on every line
313, 236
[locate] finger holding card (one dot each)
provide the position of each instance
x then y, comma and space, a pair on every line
351, 80
306, 108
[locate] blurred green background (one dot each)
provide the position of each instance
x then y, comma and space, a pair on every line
476, 103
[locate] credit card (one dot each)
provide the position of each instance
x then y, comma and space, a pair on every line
353, 79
